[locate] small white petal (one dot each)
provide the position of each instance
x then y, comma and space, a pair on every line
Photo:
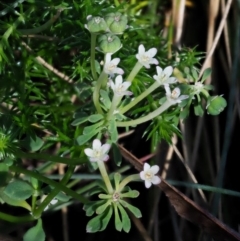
126, 85
142, 175
152, 52
141, 49
146, 167
156, 180
154, 169
148, 184
172, 80
118, 80
105, 158
168, 70
96, 144
159, 70
119, 71
112, 85
106, 147
89, 152
115, 61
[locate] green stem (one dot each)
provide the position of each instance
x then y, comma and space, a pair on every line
37, 212
139, 98
116, 99
126, 180
134, 71
14, 219
93, 45
42, 27
148, 117
50, 182
105, 176
46, 157
96, 91
34, 199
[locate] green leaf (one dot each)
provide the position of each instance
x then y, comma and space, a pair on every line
3, 174
134, 210
117, 179
113, 131
184, 113
105, 99
118, 222
91, 207
85, 138
130, 194
207, 72
79, 121
18, 190
103, 207
13, 202
125, 219
93, 128
116, 155
62, 197
35, 233
100, 222
95, 118
194, 74
32, 143
198, 110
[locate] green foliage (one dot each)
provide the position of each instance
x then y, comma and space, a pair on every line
18, 190
36, 231
56, 99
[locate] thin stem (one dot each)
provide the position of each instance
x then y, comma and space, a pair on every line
139, 98
113, 107
105, 176
47, 157
96, 91
50, 182
93, 45
126, 180
148, 117
134, 71
37, 212
14, 219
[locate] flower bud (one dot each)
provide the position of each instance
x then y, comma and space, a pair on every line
109, 43
216, 104
96, 24
116, 22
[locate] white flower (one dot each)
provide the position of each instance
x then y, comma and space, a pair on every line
120, 88
197, 88
110, 66
149, 175
174, 96
98, 151
146, 58
163, 77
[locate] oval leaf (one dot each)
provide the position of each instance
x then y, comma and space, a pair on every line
18, 190
35, 233
32, 143
95, 118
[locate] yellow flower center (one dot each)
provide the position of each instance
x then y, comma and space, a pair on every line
148, 175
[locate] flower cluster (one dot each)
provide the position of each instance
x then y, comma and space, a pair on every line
109, 90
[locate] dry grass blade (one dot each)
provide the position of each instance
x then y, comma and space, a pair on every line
187, 209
